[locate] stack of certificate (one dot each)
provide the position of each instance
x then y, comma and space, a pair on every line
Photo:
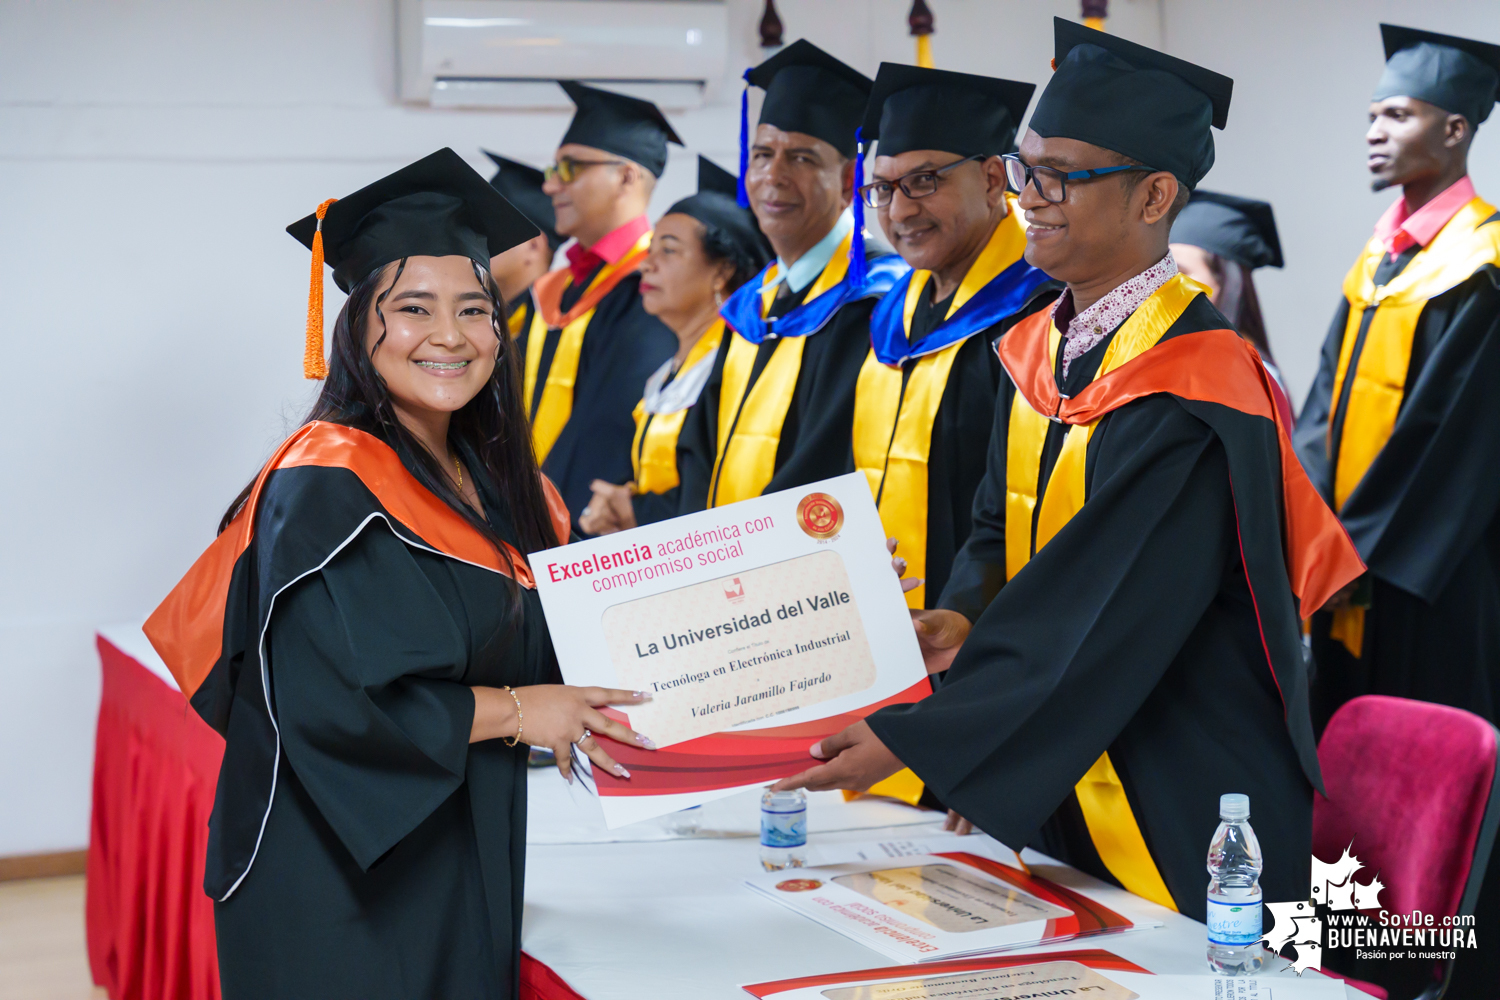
939, 906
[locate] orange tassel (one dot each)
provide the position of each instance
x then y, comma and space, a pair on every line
313, 365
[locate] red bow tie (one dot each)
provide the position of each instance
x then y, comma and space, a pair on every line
582, 262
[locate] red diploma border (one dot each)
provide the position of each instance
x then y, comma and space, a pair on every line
729, 760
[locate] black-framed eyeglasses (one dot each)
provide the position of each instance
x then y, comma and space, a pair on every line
1051, 183
917, 184
567, 169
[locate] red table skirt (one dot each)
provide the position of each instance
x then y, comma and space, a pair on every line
150, 925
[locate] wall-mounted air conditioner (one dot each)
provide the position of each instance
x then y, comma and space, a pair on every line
505, 53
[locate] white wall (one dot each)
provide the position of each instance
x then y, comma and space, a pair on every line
151, 308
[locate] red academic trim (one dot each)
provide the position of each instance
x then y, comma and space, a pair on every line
1094, 958
547, 291
1088, 916
1214, 366
727, 760
188, 628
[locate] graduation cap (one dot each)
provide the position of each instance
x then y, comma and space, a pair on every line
436, 207
712, 177
912, 107
715, 205
615, 123
521, 185
1239, 229
1133, 100
1459, 75
809, 91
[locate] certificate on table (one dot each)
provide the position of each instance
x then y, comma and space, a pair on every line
932, 907
758, 627
1092, 972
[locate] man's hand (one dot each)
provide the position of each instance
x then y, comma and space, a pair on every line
940, 633
856, 760
609, 510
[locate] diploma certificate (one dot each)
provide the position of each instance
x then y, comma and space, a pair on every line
757, 627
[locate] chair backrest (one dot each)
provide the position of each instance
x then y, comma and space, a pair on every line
1411, 786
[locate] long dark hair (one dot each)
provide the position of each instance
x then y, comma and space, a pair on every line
490, 430
1248, 320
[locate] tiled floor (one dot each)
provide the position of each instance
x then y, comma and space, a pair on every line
42, 954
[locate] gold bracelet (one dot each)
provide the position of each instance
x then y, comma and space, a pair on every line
516, 739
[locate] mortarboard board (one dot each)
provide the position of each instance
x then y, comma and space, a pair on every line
809, 91
712, 177
912, 107
1239, 229
521, 185
1133, 100
436, 207
1459, 75
715, 205
615, 123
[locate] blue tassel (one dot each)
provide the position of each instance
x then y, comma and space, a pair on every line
741, 195
857, 268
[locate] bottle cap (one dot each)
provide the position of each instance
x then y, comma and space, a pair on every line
1234, 806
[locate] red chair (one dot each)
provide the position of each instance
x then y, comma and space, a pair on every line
1411, 786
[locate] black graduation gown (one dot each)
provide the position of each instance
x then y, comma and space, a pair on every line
1426, 515
650, 508
814, 441
1132, 631
621, 348
961, 431
391, 864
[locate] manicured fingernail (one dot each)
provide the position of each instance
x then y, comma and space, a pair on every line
643, 695
620, 771
569, 777
645, 741
816, 749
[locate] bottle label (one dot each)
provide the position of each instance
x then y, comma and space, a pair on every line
783, 829
1233, 924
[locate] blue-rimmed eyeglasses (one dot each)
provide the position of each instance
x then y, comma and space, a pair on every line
917, 184
1051, 183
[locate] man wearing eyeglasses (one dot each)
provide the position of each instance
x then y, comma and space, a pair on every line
1124, 614
778, 407
925, 401
591, 346
1401, 429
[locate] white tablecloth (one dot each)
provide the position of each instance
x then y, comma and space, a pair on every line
652, 918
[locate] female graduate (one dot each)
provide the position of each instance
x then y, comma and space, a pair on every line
1220, 240
365, 631
704, 248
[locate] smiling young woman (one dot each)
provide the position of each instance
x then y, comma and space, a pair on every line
383, 661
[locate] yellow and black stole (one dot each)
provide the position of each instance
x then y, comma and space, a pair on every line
556, 403
653, 453
894, 415
751, 417
1376, 385
1101, 795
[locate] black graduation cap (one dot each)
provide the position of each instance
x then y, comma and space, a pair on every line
809, 91
436, 207
1133, 100
521, 185
712, 177
1239, 229
715, 205
1459, 75
615, 123
912, 107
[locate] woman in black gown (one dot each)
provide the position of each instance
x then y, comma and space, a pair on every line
383, 661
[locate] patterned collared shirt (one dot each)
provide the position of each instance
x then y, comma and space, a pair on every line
1086, 329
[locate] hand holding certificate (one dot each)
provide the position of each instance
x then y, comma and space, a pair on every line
757, 628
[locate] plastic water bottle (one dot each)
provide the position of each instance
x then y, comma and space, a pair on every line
1234, 866
783, 830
